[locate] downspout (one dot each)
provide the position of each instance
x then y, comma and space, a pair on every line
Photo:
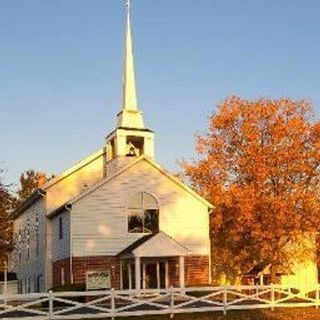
69, 207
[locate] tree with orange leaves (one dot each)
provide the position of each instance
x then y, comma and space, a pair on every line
259, 165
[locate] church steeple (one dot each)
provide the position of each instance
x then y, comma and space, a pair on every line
129, 83
129, 116
130, 139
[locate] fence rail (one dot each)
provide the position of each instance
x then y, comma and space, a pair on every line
121, 303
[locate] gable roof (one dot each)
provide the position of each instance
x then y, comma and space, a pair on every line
159, 244
37, 194
84, 162
136, 244
258, 269
263, 268
131, 164
42, 191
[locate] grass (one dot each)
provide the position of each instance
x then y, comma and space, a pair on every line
278, 314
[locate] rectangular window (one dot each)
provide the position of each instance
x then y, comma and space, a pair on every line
60, 228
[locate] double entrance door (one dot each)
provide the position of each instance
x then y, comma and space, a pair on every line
154, 274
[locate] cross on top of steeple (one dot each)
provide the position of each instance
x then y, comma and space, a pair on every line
128, 4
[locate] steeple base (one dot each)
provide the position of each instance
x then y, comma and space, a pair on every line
130, 119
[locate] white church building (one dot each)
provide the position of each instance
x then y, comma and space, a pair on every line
115, 219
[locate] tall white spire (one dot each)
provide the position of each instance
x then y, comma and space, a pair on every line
129, 83
130, 138
129, 116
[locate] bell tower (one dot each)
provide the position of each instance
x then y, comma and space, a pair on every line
130, 139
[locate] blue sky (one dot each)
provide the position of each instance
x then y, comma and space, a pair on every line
61, 70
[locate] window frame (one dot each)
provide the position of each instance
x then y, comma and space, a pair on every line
144, 208
60, 228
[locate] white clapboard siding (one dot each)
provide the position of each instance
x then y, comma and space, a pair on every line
61, 247
28, 269
99, 220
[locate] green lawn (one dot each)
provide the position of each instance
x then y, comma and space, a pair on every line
278, 314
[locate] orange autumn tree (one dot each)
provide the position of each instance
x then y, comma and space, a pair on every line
259, 165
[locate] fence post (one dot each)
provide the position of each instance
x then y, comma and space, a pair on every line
113, 304
272, 297
51, 313
5, 289
171, 302
225, 300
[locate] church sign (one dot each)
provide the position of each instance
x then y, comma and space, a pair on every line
98, 280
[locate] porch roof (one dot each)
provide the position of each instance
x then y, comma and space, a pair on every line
154, 245
263, 268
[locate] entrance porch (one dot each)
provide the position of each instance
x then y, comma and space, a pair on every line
153, 262
155, 273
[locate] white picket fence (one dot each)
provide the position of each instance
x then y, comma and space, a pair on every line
122, 303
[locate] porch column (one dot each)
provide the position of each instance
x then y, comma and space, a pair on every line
166, 265
181, 271
143, 276
158, 275
137, 272
121, 275
130, 276
261, 279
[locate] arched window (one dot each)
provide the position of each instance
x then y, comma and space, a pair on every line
143, 213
